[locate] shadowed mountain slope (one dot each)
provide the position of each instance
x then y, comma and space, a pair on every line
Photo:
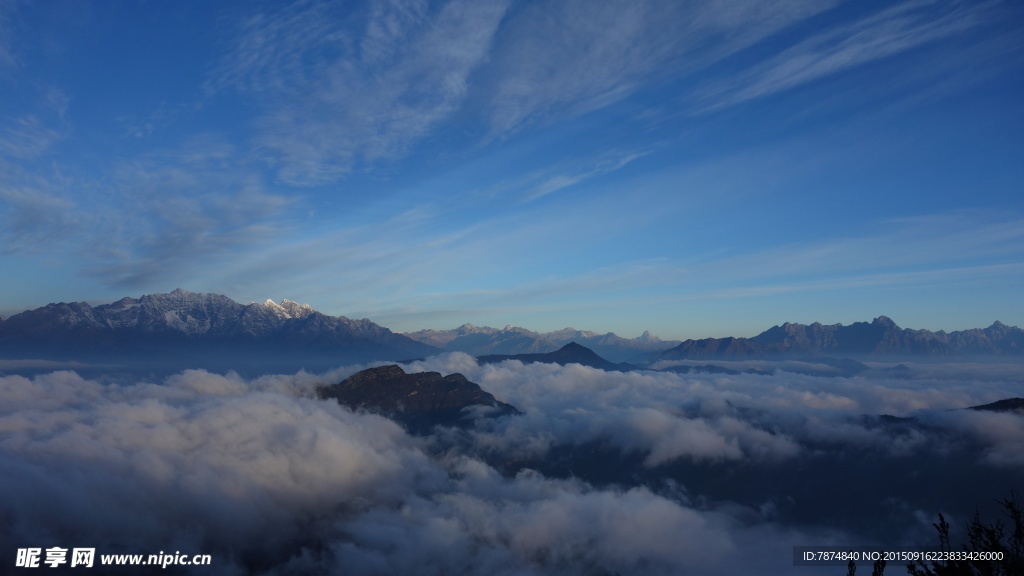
1007, 405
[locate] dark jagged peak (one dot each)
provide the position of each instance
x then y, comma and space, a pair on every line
885, 321
776, 334
571, 353
1007, 405
898, 371
1000, 331
419, 401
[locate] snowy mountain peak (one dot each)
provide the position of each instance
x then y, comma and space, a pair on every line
289, 309
296, 310
205, 324
274, 307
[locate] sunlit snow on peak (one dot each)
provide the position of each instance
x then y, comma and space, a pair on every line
289, 309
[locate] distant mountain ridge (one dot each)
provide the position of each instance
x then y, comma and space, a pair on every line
183, 329
881, 337
207, 329
571, 353
484, 340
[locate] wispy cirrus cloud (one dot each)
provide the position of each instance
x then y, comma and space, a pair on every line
7, 8
183, 209
36, 207
156, 217
27, 136
606, 165
32, 132
576, 57
333, 98
926, 251
894, 30
35, 218
339, 89
948, 240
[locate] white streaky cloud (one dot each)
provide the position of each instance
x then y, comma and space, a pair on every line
973, 274
36, 217
560, 181
7, 59
330, 105
160, 215
192, 207
891, 31
342, 89
27, 137
927, 240
598, 53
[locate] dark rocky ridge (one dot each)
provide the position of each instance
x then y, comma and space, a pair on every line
419, 401
881, 337
1006, 405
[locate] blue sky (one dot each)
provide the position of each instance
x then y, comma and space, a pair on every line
692, 169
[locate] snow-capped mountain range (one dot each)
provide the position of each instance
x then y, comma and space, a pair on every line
209, 329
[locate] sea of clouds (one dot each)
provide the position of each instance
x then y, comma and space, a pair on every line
705, 474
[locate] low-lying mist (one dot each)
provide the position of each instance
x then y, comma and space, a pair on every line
604, 473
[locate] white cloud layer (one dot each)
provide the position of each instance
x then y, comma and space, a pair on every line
268, 479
